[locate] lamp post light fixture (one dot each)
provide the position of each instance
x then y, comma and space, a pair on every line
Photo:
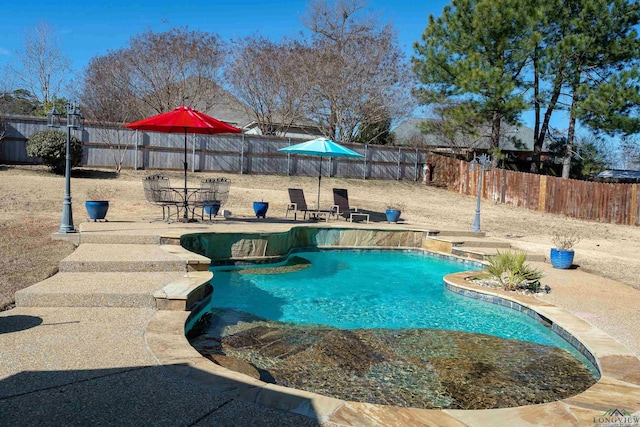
482, 164
74, 121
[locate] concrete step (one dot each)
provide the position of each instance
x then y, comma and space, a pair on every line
484, 244
114, 289
447, 244
481, 253
458, 233
94, 257
121, 239
476, 242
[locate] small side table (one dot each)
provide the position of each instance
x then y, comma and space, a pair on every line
364, 216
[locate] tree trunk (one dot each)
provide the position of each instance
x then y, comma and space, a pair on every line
495, 138
539, 142
535, 167
568, 154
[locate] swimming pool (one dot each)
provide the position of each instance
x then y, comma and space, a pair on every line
372, 289
380, 327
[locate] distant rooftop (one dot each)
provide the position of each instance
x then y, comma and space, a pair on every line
515, 138
618, 175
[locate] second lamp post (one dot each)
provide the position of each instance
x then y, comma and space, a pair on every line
482, 163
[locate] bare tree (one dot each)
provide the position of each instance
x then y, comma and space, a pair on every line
156, 73
41, 68
357, 73
265, 76
629, 153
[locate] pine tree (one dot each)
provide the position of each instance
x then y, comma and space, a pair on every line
601, 45
475, 55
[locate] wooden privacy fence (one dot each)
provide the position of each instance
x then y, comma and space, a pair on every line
612, 203
251, 154
244, 154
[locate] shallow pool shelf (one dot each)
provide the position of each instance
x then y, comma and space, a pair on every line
413, 368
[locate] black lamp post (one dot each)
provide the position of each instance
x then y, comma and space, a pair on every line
74, 121
482, 163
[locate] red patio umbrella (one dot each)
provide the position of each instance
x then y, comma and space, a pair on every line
187, 120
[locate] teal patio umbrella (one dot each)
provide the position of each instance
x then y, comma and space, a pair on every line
321, 147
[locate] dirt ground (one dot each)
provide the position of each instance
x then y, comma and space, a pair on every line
31, 204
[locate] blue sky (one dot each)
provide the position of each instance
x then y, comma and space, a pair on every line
89, 28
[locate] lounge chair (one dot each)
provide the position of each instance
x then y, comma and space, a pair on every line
342, 208
297, 203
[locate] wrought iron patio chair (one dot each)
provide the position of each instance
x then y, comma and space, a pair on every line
211, 196
157, 190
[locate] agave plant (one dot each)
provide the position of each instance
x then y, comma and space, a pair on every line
510, 270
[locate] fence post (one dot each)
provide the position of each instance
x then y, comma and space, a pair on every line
193, 153
542, 197
634, 204
503, 190
242, 155
289, 159
364, 169
135, 158
398, 168
415, 172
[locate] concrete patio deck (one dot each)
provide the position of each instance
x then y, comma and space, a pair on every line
89, 346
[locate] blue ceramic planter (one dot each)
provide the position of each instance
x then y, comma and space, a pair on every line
393, 215
97, 209
561, 258
260, 208
212, 209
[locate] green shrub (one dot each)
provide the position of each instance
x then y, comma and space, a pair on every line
509, 269
50, 145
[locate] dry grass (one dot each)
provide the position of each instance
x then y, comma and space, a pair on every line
31, 204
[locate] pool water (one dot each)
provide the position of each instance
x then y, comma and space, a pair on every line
391, 290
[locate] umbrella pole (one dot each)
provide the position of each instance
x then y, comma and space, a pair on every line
186, 213
319, 179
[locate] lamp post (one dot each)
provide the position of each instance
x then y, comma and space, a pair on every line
482, 164
74, 121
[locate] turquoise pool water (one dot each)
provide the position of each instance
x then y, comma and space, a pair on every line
352, 290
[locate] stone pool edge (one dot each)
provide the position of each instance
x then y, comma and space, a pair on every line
618, 387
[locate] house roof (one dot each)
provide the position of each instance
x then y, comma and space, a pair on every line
226, 108
515, 137
618, 175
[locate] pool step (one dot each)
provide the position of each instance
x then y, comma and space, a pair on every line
457, 233
119, 239
96, 289
94, 257
183, 293
472, 245
481, 253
